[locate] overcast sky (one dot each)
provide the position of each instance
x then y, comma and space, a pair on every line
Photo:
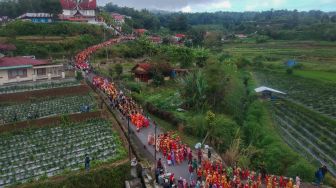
226, 5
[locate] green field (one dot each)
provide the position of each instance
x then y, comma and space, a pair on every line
317, 75
313, 55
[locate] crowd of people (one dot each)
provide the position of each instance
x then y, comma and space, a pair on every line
126, 105
83, 56
203, 173
172, 148
213, 174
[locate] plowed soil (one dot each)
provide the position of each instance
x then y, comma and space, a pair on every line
38, 94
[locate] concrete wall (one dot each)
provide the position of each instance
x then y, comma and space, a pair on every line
32, 75
4, 77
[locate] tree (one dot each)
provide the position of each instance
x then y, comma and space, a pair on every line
110, 72
197, 36
193, 90
118, 69
184, 56
210, 121
178, 23
201, 56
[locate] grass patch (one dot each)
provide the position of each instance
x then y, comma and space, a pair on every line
317, 75
104, 177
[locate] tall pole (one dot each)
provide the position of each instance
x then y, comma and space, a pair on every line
129, 140
155, 140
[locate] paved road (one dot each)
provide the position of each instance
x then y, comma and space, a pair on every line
180, 170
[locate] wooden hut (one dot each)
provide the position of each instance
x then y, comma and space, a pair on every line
141, 72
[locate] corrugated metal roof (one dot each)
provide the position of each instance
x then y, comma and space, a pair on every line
35, 15
264, 88
20, 61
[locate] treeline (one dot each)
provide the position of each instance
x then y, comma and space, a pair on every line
15, 8
81, 36
19, 28
140, 19
276, 24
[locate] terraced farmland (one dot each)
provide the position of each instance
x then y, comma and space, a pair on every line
45, 107
318, 96
38, 86
312, 136
49, 151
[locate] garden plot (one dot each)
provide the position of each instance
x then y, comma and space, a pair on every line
31, 154
38, 86
313, 94
44, 108
310, 136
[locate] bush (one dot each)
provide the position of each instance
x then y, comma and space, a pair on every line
243, 62
135, 87
289, 71
105, 177
167, 116
261, 39
79, 76
118, 69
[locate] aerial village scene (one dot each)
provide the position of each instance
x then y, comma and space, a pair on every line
167, 93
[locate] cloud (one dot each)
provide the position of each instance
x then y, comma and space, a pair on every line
264, 4
186, 9
224, 5
173, 5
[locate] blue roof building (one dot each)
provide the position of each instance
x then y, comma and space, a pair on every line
36, 17
290, 63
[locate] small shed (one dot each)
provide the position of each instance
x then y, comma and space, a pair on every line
290, 63
140, 32
141, 71
268, 92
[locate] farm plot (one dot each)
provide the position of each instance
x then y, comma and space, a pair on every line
310, 136
34, 153
44, 108
38, 86
313, 94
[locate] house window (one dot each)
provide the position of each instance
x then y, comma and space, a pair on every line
41, 72
22, 73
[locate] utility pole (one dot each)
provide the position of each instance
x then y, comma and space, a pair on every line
129, 137
155, 140
106, 46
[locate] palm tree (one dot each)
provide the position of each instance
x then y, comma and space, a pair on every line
236, 154
193, 90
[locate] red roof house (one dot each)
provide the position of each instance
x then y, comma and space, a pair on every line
179, 35
20, 61
19, 69
155, 39
140, 32
81, 11
141, 71
83, 5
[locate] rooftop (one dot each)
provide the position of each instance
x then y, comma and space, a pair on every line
20, 61
264, 88
35, 15
84, 5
